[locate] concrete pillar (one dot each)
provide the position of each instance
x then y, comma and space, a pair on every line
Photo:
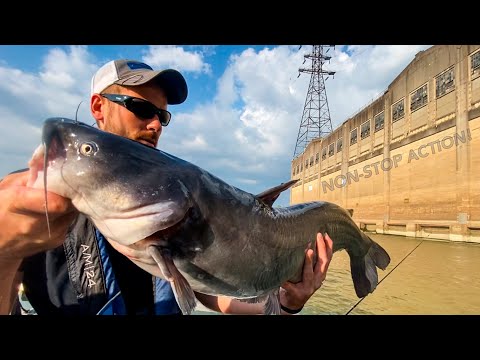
386, 155
345, 158
459, 232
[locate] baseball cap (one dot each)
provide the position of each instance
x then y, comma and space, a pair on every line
134, 73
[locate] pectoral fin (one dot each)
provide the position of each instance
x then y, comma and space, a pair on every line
181, 288
272, 303
272, 306
254, 300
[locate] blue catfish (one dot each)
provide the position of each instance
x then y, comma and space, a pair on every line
181, 223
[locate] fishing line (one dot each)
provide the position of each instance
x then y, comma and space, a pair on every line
359, 301
76, 113
108, 303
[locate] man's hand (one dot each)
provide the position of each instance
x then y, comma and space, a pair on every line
23, 222
294, 296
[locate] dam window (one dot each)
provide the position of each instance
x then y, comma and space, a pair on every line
476, 63
379, 121
398, 110
353, 136
445, 82
339, 145
311, 161
324, 153
317, 157
331, 149
301, 166
418, 98
365, 132
306, 163
298, 169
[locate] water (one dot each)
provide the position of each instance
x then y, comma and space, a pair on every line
438, 277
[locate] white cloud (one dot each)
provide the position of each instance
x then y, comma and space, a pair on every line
195, 144
227, 89
62, 83
170, 56
18, 140
19, 83
63, 70
247, 181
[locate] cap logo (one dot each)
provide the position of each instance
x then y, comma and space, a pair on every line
138, 65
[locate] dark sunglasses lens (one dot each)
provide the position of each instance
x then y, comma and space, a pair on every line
164, 117
146, 110
141, 108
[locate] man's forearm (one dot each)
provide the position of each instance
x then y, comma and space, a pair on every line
232, 306
9, 281
227, 305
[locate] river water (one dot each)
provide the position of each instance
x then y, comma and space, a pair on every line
437, 277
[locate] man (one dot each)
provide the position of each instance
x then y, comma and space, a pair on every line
74, 270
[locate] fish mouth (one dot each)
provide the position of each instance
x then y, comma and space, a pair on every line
54, 150
50, 153
54, 147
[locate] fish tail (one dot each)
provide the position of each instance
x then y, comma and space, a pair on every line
364, 269
379, 255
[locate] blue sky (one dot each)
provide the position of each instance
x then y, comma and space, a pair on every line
241, 118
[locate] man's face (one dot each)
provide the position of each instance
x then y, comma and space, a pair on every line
121, 121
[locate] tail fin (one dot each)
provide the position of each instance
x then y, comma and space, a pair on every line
364, 270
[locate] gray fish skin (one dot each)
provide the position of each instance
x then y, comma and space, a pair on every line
224, 241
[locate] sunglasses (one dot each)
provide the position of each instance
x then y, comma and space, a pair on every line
140, 107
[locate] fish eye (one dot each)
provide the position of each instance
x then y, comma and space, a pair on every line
88, 148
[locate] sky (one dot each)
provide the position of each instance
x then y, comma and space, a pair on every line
240, 121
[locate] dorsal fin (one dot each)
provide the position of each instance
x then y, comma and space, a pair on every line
269, 196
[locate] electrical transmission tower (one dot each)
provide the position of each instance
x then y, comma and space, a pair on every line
316, 120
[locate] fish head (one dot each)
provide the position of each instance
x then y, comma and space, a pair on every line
129, 190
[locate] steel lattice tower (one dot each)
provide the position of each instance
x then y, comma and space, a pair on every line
316, 120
